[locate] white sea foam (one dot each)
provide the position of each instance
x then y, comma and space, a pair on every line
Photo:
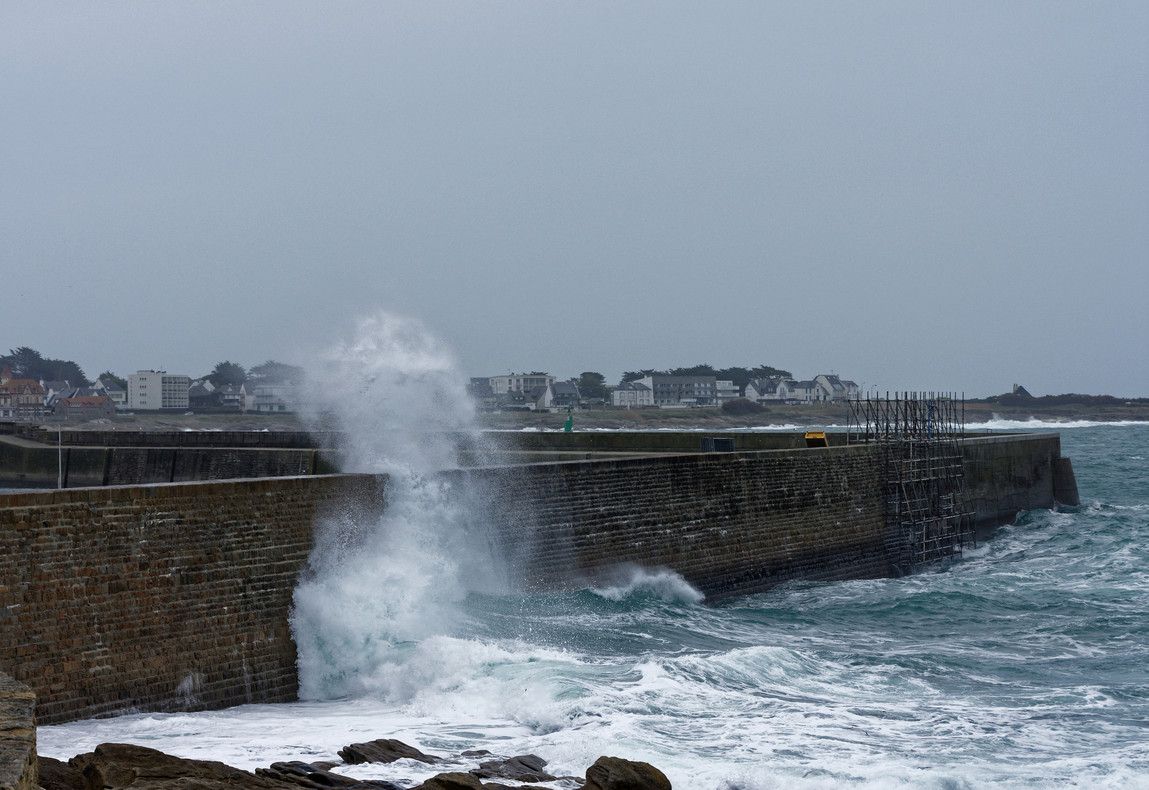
997, 423
660, 583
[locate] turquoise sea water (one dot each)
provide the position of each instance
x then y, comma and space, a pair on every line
1023, 665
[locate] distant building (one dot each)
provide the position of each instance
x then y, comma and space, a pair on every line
672, 392
540, 398
518, 382
791, 391
270, 397
763, 390
53, 390
201, 395
20, 399
725, 391
480, 390
566, 394
157, 389
231, 396
85, 407
118, 394
833, 389
632, 395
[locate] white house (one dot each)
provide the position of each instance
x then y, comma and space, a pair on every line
791, 391
269, 397
632, 395
763, 390
831, 388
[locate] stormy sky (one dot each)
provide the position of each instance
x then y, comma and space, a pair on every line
924, 196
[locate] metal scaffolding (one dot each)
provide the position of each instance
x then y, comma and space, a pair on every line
921, 435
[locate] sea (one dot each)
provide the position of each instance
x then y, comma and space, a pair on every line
1023, 664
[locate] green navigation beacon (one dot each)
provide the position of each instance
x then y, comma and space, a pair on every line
568, 426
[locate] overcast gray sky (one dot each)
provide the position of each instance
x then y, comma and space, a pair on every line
915, 195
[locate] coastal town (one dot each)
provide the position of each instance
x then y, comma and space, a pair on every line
276, 388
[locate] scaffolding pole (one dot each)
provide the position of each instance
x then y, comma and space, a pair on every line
920, 434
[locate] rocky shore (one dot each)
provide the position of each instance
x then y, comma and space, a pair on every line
116, 765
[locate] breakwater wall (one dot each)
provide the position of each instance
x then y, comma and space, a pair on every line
24, 465
177, 596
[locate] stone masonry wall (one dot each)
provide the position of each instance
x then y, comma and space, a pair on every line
730, 524
157, 597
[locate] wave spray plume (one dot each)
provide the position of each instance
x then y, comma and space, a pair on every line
378, 584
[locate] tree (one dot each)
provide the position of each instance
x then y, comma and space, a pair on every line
28, 363
272, 372
635, 375
227, 372
696, 370
592, 385
24, 362
767, 372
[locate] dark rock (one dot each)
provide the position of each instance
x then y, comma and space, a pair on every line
384, 750
451, 781
315, 776
57, 775
524, 768
615, 773
115, 765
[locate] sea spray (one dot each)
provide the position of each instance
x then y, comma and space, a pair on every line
379, 581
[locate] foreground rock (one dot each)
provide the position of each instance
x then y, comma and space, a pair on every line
615, 773
384, 750
524, 768
115, 765
317, 776
57, 775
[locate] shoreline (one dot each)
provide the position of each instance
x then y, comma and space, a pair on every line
803, 416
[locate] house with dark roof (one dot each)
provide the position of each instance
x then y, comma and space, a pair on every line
231, 396
118, 394
834, 390
791, 391
565, 395
632, 395
763, 390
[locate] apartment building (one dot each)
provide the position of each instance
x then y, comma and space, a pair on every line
157, 389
